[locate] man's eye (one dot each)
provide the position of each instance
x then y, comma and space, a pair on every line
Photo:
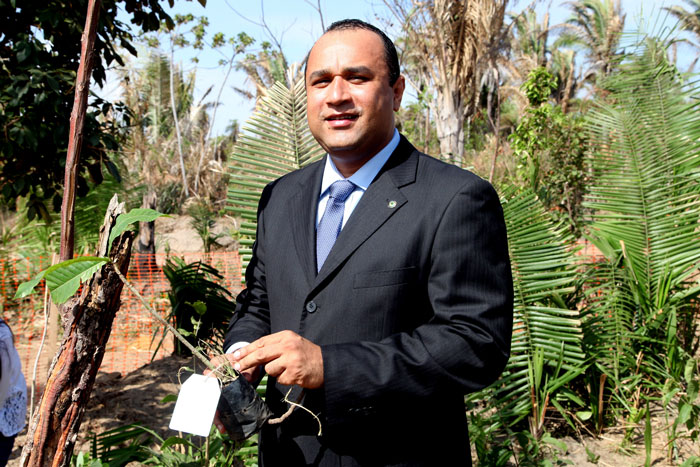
357, 79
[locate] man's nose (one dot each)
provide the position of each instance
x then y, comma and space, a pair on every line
338, 91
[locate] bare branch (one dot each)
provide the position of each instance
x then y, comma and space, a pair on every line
317, 7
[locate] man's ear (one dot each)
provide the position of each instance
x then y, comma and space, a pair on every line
399, 87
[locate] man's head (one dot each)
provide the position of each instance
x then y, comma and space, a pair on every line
353, 88
390, 55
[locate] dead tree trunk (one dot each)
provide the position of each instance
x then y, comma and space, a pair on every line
75, 138
87, 324
146, 244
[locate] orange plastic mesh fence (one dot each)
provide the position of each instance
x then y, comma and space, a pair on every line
135, 334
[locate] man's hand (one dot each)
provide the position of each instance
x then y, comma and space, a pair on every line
251, 374
285, 355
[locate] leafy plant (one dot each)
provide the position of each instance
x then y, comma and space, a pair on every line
550, 146
135, 444
491, 447
546, 349
64, 279
116, 447
687, 423
200, 307
646, 203
203, 221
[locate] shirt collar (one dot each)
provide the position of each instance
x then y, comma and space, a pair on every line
364, 176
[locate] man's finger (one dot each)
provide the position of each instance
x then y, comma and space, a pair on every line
217, 423
258, 356
218, 363
274, 368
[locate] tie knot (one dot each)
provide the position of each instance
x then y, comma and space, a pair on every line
340, 190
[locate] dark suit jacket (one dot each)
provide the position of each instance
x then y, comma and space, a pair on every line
412, 309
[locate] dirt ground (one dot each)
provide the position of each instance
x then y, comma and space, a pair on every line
135, 398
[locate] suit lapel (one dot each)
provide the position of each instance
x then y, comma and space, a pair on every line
381, 201
302, 209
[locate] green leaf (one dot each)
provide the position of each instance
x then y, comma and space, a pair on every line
113, 170
552, 441
584, 415
592, 457
168, 398
53, 84
135, 215
24, 53
173, 440
199, 307
693, 461
683, 414
26, 288
63, 279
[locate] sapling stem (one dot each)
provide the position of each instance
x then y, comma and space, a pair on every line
168, 326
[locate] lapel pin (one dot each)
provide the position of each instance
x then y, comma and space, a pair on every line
392, 204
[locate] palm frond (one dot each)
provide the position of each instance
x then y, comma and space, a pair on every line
275, 140
544, 271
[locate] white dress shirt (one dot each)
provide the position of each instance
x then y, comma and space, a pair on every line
362, 178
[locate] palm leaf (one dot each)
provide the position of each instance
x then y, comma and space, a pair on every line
544, 271
275, 140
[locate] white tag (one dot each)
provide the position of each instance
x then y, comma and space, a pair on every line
196, 405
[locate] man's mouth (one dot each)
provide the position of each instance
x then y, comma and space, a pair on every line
341, 120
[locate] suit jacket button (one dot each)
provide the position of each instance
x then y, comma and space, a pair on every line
311, 306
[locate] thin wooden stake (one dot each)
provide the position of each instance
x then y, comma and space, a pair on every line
77, 121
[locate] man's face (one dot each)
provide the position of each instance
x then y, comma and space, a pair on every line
350, 102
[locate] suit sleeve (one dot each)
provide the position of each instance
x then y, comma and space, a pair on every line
251, 319
466, 343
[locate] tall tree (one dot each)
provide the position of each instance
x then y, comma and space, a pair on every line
531, 49
39, 53
595, 25
151, 145
530, 39
263, 70
448, 46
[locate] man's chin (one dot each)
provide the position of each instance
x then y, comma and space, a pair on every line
341, 148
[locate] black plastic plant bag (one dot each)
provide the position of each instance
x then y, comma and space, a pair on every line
241, 410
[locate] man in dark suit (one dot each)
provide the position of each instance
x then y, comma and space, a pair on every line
388, 326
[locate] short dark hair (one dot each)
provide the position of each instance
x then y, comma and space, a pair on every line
390, 55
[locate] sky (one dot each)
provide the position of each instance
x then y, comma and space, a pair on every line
296, 24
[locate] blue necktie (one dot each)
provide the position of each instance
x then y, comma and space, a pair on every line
329, 227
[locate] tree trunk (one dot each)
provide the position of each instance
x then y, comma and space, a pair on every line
497, 134
87, 324
449, 124
173, 107
569, 87
146, 244
75, 138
